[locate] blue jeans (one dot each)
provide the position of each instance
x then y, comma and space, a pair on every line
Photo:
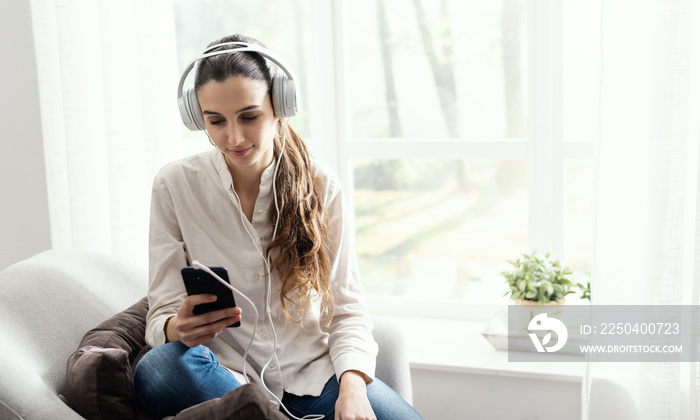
173, 377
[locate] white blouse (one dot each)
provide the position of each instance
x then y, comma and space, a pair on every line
195, 215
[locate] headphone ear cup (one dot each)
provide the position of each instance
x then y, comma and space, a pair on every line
284, 98
190, 111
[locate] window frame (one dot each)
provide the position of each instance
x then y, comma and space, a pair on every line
544, 149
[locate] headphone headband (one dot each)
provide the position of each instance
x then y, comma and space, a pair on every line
284, 97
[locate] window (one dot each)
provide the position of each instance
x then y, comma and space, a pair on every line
462, 130
472, 142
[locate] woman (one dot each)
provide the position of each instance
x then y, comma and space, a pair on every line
297, 264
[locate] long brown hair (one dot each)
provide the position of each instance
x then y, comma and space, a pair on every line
299, 248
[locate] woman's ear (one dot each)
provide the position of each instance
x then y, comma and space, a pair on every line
279, 127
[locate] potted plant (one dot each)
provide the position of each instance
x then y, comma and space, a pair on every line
537, 280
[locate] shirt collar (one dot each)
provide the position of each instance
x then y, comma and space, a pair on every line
219, 162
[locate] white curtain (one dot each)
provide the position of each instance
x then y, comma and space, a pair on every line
107, 82
647, 218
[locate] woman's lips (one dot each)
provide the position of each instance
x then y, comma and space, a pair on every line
240, 152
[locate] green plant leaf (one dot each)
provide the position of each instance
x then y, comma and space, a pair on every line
537, 277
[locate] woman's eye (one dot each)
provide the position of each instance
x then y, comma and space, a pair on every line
215, 122
249, 117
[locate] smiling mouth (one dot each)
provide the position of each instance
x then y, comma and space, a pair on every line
240, 152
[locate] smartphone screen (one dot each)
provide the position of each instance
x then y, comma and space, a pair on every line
199, 282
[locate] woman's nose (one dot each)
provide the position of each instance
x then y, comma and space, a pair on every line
234, 135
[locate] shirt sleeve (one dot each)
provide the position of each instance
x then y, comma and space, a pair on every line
351, 344
167, 255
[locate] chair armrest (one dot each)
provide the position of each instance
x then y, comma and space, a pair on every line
392, 360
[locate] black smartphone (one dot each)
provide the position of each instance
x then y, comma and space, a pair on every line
199, 282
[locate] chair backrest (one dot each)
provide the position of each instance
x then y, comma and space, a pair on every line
47, 303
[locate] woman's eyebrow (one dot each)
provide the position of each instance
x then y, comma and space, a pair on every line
248, 108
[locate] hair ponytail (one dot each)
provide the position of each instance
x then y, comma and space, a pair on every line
302, 257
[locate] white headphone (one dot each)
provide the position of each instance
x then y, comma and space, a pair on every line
284, 93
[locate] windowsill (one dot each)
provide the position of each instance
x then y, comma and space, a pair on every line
457, 346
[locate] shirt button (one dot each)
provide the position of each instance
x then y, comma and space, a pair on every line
259, 209
273, 366
262, 335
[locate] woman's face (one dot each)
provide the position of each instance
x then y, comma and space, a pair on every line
240, 121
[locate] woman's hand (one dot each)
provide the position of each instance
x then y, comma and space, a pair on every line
193, 330
352, 403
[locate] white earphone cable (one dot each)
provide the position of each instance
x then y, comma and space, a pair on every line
269, 288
